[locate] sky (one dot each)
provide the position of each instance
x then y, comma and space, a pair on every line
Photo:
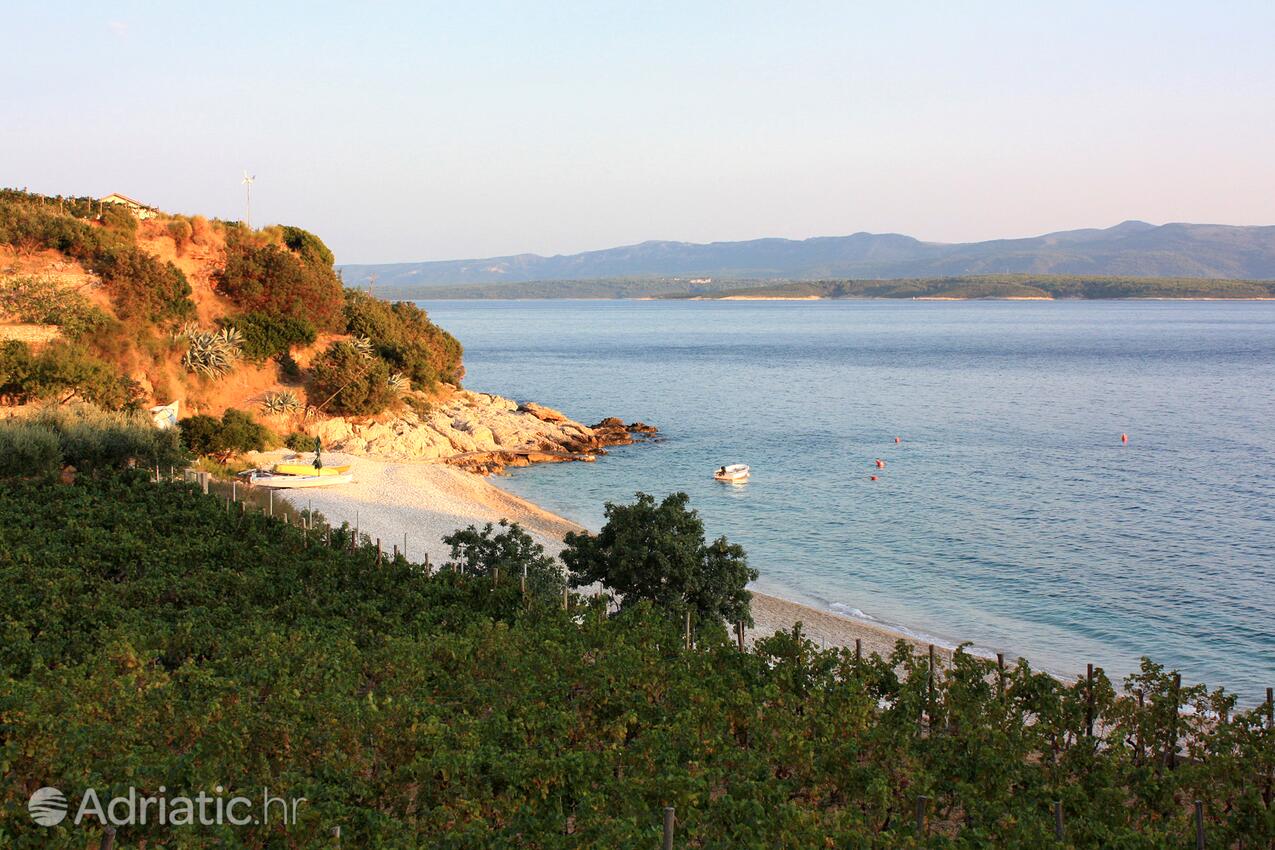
421, 131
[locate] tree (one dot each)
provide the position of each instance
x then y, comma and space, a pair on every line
512, 551
345, 381
270, 279
658, 552
235, 432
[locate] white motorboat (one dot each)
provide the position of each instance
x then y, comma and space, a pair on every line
734, 472
288, 482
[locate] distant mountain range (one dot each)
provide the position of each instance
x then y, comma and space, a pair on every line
1131, 249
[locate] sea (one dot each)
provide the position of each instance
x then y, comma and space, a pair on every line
1009, 513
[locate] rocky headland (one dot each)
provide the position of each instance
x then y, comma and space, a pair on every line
479, 432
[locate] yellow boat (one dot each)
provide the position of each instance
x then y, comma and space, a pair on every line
308, 469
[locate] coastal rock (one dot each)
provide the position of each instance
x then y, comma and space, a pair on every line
544, 414
480, 432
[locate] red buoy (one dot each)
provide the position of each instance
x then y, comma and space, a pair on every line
1124, 438
898, 440
872, 477
880, 463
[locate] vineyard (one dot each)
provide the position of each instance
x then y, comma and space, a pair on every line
151, 636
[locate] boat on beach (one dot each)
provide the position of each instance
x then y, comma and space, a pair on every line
275, 481
308, 469
733, 472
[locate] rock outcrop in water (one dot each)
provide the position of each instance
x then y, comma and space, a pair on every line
480, 432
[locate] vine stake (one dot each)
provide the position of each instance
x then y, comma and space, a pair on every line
1089, 700
669, 821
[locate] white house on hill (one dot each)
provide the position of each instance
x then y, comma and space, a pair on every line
137, 208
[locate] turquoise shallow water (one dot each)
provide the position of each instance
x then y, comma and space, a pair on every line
1010, 515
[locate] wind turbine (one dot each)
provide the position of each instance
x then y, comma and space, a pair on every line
247, 182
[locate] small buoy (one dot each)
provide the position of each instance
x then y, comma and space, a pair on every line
872, 477
1124, 438
898, 440
880, 463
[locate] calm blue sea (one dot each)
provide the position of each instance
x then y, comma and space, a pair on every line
1010, 514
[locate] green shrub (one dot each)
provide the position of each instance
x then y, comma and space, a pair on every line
235, 432
92, 439
44, 301
308, 246
268, 279
86, 437
403, 336
63, 371
181, 231
343, 381
17, 366
28, 450
512, 552
142, 287
267, 335
299, 442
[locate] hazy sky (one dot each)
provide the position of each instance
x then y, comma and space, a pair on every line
411, 131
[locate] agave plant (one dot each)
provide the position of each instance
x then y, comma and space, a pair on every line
211, 353
399, 383
363, 346
282, 402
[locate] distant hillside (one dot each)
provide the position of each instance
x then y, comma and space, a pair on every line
952, 287
1131, 249
1003, 286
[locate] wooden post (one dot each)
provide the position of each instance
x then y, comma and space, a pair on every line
920, 814
1059, 831
108, 838
566, 605
378, 551
1000, 675
495, 576
688, 628
204, 479
234, 491
1270, 725
929, 686
272, 503
739, 634
670, 820
1089, 700
524, 581
858, 649
396, 552
1199, 825
1142, 701
336, 835
1173, 728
